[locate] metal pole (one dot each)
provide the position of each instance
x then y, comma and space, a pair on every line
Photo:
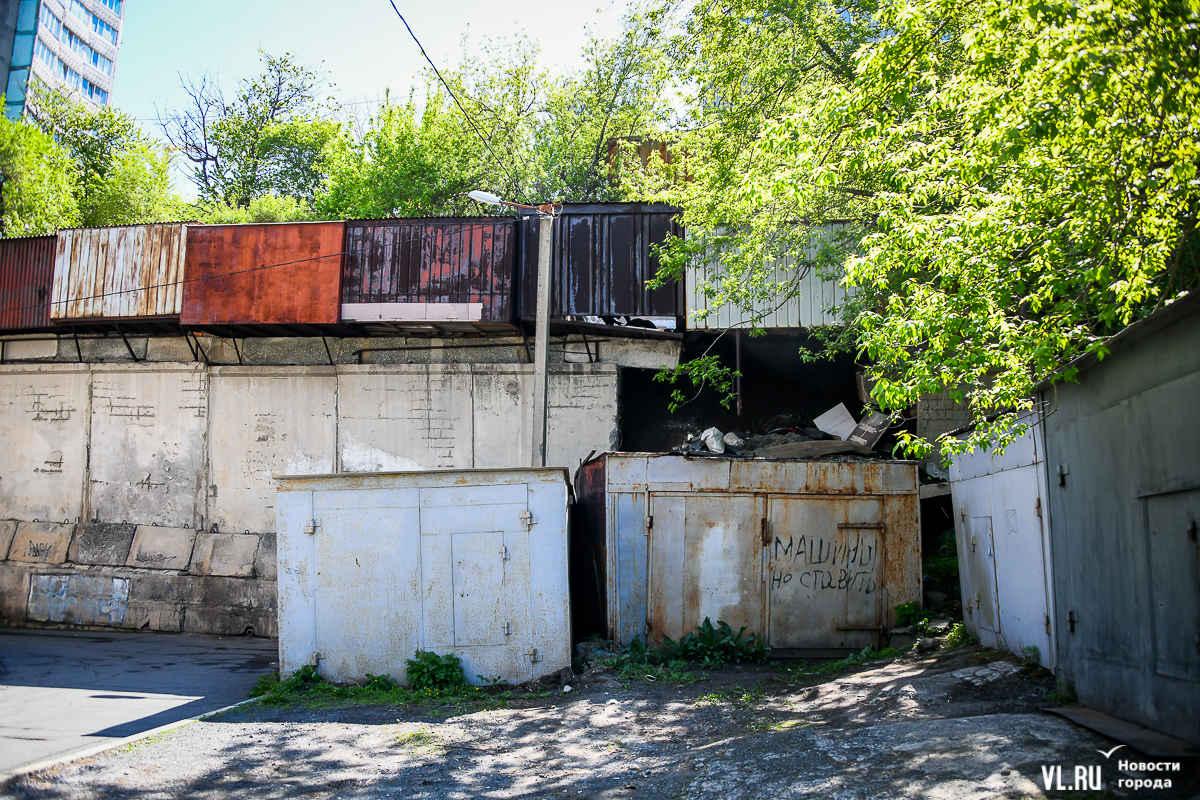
541, 341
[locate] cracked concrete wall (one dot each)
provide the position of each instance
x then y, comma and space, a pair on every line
189, 446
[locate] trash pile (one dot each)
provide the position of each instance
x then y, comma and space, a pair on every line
833, 432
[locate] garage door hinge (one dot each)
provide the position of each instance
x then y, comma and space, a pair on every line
764, 532
504, 554
1037, 506
507, 628
528, 520
974, 541
649, 524
533, 655
1046, 617
312, 527
317, 658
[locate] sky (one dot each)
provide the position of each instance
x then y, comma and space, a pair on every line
363, 44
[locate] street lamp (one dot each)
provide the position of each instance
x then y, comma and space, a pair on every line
541, 327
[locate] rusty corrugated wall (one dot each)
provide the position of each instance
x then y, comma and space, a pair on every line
279, 273
602, 260
26, 281
447, 261
131, 271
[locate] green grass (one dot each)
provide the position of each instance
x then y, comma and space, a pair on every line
306, 688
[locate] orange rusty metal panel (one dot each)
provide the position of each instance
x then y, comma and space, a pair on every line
26, 281
131, 271
278, 273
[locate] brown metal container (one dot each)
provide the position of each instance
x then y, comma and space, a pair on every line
602, 259
436, 273
26, 282
812, 556
128, 272
286, 273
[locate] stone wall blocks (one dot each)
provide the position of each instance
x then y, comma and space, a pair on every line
161, 548
227, 554
102, 543
14, 591
265, 561
8, 528
41, 542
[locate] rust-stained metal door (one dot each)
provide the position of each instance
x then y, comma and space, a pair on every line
824, 572
475, 553
706, 559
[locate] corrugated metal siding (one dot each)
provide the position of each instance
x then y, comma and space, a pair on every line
132, 271
602, 260
26, 281
808, 309
452, 260
303, 288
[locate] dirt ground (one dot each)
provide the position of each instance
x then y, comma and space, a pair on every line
960, 724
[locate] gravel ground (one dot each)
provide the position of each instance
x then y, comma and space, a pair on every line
960, 724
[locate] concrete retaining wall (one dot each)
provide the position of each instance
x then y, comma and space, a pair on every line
176, 459
138, 577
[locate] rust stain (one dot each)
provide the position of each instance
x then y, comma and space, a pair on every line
118, 272
303, 289
26, 281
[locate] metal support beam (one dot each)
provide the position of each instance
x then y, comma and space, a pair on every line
541, 341
128, 347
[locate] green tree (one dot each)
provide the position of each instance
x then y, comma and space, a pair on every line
268, 138
1023, 176
37, 182
122, 177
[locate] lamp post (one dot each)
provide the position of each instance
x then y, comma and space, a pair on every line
541, 327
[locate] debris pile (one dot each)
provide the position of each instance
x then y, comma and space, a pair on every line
833, 432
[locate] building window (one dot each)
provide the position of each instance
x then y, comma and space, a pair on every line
104, 29
115, 5
79, 10
101, 63
95, 93
44, 53
52, 22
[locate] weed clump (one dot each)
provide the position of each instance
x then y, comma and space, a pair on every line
432, 679
429, 672
708, 646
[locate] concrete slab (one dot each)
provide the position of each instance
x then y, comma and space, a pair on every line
41, 543
14, 591
230, 554
147, 443
62, 692
265, 561
161, 548
8, 528
78, 599
101, 544
43, 425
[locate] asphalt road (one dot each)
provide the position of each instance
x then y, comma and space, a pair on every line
62, 692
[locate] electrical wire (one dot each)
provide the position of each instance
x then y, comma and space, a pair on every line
516, 187
183, 281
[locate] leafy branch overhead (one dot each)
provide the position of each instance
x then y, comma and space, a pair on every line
1020, 179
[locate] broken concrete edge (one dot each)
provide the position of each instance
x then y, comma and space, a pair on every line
7, 779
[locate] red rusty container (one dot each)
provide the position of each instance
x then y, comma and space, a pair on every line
448, 273
26, 282
286, 273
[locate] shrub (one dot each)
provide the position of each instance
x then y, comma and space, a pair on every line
428, 670
714, 646
912, 614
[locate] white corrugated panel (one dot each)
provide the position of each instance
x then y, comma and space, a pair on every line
373, 567
131, 271
809, 308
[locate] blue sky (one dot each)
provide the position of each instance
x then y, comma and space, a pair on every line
364, 47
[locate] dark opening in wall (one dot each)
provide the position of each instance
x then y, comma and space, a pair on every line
778, 390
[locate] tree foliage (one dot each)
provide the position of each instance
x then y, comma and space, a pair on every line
1021, 178
267, 138
37, 181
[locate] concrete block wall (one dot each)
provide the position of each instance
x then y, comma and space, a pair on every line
139, 577
172, 463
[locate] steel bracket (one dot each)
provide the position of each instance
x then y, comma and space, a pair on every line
312, 527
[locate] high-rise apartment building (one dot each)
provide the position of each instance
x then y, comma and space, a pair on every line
67, 44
